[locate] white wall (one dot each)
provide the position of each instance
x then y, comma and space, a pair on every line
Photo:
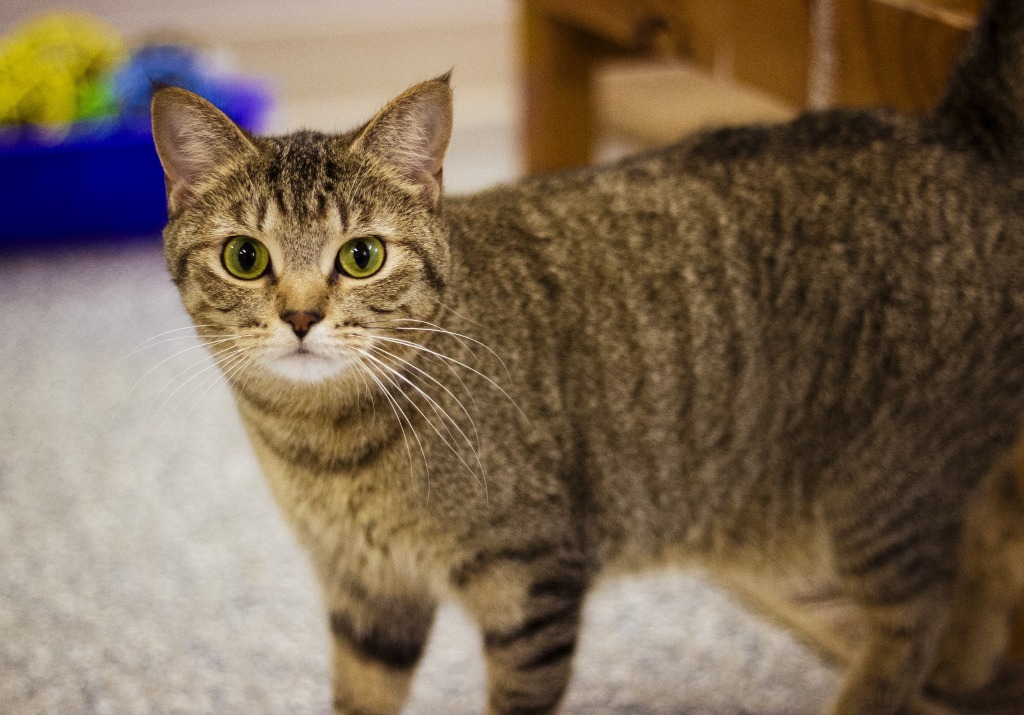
331, 60
317, 47
332, 63
232, 17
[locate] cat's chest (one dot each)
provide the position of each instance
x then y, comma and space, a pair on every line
361, 524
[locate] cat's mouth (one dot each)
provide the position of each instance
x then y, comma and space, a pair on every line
303, 364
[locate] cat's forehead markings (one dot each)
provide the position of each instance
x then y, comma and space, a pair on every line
355, 215
359, 221
384, 229
248, 213
272, 222
227, 226
241, 211
335, 221
262, 205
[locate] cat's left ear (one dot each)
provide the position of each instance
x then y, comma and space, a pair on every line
412, 134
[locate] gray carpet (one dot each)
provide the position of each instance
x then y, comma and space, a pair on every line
144, 568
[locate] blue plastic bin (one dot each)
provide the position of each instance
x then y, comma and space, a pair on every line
103, 181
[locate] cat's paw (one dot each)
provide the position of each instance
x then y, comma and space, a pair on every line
1002, 694
955, 678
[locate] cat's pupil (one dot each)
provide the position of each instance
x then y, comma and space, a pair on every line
361, 254
246, 257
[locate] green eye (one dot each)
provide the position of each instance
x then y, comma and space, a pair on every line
361, 257
246, 258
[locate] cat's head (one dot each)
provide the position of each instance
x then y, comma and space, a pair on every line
293, 254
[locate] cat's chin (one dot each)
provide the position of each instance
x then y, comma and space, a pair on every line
306, 367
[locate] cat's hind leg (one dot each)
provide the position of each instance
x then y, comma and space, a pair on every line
1002, 696
886, 678
989, 586
810, 606
378, 640
894, 541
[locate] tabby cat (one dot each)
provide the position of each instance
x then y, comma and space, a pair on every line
790, 355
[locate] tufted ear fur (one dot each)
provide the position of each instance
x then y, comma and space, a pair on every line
412, 134
193, 139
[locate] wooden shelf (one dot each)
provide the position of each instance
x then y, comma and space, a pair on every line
883, 52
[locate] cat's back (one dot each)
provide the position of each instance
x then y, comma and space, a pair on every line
819, 160
838, 207
759, 292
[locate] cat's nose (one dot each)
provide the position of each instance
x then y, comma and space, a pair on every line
301, 320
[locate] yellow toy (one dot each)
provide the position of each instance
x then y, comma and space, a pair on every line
53, 68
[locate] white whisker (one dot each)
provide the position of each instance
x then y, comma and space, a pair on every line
147, 343
437, 382
442, 414
369, 391
242, 360
399, 415
229, 372
456, 375
173, 339
233, 354
460, 337
417, 346
391, 325
457, 313
150, 371
248, 378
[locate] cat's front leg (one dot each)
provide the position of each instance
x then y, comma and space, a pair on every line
528, 603
378, 640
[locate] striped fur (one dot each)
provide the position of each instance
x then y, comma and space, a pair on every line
790, 355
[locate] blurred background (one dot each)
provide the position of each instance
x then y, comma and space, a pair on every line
143, 565
540, 84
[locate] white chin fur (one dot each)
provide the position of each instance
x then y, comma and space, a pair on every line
306, 367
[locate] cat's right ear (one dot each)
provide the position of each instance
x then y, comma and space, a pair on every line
193, 138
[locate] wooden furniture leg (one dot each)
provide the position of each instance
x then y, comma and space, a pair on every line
559, 97
1016, 654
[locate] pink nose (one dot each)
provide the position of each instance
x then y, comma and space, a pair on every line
301, 320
